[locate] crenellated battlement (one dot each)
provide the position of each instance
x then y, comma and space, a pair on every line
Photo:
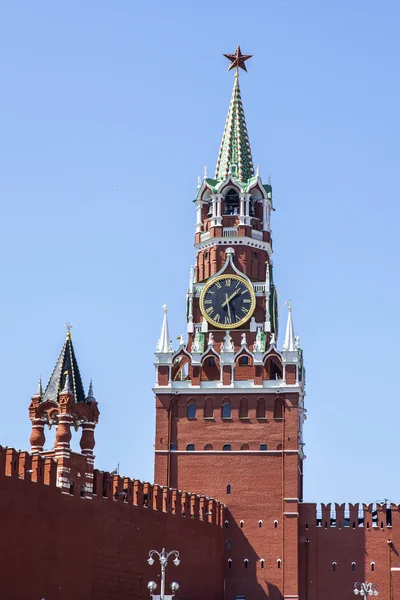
332, 515
39, 469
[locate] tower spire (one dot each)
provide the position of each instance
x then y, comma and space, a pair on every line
235, 152
290, 341
164, 343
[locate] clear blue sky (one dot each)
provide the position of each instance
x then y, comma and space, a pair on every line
109, 111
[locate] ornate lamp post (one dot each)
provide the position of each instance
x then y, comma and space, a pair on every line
163, 558
366, 589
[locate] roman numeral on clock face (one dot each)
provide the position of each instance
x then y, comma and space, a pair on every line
210, 310
217, 318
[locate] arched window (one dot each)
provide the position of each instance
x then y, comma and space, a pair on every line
228, 545
260, 523
251, 207
353, 566
226, 524
260, 411
275, 523
71, 487
372, 566
245, 447
262, 563
208, 447
229, 563
279, 563
231, 203
246, 563
244, 409
211, 361
244, 360
173, 446
334, 566
273, 368
241, 524
208, 409
228, 488
263, 447
278, 409
279, 447
191, 411
226, 447
190, 447
226, 410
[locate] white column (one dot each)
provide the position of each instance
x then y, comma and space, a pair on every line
247, 219
265, 215
242, 209
219, 202
198, 215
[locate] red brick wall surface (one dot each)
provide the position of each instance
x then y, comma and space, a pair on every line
344, 544
59, 546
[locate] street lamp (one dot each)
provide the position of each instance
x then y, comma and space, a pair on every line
366, 589
163, 558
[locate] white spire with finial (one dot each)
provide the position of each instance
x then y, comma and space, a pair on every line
205, 172
164, 343
289, 344
39, 390
198, 182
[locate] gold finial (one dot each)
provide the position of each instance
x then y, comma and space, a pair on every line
289, 305
68, 327
164, 307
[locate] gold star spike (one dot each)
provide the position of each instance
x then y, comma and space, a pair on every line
238, 59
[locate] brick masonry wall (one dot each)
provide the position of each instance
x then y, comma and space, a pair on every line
258, 480
61, 546
343, 543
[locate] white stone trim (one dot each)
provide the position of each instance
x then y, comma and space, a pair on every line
241, 387
270, 452
243, 241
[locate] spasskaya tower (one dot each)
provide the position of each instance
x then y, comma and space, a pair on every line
229, 402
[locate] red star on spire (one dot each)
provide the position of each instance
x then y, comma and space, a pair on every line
238, 59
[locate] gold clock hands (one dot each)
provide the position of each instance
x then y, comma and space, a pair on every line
229, 308
230, 298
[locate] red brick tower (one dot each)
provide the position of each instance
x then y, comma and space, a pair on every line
229, 404
63, 405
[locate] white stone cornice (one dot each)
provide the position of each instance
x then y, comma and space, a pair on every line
241, 387
243, 241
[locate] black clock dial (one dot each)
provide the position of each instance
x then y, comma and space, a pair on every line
228, 301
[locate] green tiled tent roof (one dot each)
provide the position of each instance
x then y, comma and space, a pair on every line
235, 152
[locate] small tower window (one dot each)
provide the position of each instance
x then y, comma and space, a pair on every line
228, 545
228, 488
232, 203
244, 360
191, 411
208, 447
372, 566
279, 563
246, 563
263, 447
353, 566
260, 523
241, 524
229, 563
334, 566
226, 447
190, 447
226, 410
262, 563
275, 524
245, 447
211, 361
226, 524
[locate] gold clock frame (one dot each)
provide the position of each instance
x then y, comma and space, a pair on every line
230, 325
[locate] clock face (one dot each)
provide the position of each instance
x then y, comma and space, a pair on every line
227, 301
